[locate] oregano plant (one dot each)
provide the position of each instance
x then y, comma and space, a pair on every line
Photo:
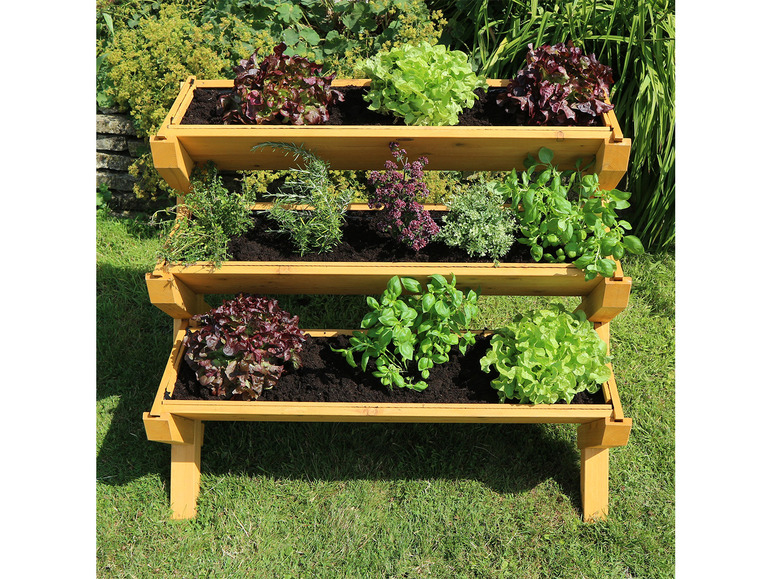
545, 356
566, 216
412, 330
396, 194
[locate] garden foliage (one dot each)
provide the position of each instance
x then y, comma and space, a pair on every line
411, 333
279, 88
558, 86
396, 194
319, 230
423, 84
209, 216
477, 223
549, 355
565, 216
242, 347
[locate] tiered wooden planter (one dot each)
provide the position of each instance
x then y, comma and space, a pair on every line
177, 148
179, 290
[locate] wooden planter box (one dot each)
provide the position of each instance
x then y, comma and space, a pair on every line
179, 289
180, 424
177, 148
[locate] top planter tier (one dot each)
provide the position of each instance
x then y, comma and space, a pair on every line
177, 148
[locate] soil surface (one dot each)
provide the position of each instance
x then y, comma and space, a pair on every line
353, 110
361, 242
326, 377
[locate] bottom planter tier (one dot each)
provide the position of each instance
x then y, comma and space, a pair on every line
179, 422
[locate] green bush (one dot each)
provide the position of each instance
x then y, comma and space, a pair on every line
319, 230
148, 62
477, 222
209, 217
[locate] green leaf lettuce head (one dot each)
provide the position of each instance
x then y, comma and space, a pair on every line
549, 355
424, 84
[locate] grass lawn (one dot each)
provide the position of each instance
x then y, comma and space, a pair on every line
378, 500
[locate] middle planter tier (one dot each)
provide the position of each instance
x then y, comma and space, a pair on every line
177, 288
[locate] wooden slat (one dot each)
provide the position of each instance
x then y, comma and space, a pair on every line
371, 278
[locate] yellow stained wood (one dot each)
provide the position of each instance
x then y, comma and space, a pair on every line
172, 161
607, 299
186, 475
367, 147
611, 162
172, 296
370, 278
604, 433
593, 481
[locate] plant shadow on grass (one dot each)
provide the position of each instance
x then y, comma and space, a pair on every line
134, 339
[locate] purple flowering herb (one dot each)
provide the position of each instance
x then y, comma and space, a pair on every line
396, 195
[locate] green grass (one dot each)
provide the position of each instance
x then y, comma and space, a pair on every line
377, 500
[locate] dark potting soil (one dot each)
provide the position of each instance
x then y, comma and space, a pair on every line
325, 376
361, 242
203, 110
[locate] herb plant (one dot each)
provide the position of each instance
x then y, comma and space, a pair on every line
558, 86
207, 219
566, 216
320, 229
477, 222
424, 84
396, 195
550, 355
279, 88
414, 330
242, 347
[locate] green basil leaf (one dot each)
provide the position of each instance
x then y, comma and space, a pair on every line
411, 285
546, 155
632, 244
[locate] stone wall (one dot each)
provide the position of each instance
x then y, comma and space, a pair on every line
117, 146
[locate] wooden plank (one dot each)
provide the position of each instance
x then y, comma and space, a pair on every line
370, 278
186, 475
593, 482
180, 104
604, 433
173, 362
172, 296
608, 299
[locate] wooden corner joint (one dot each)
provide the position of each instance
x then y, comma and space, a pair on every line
169, 428
172, 296
605, 433
608, 299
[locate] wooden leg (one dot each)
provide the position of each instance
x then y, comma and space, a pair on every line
186, 474
594, 483
594, 440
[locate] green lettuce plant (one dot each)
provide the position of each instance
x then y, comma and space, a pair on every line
477, 222
566, 216
549, 355
413, 330
424, 84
